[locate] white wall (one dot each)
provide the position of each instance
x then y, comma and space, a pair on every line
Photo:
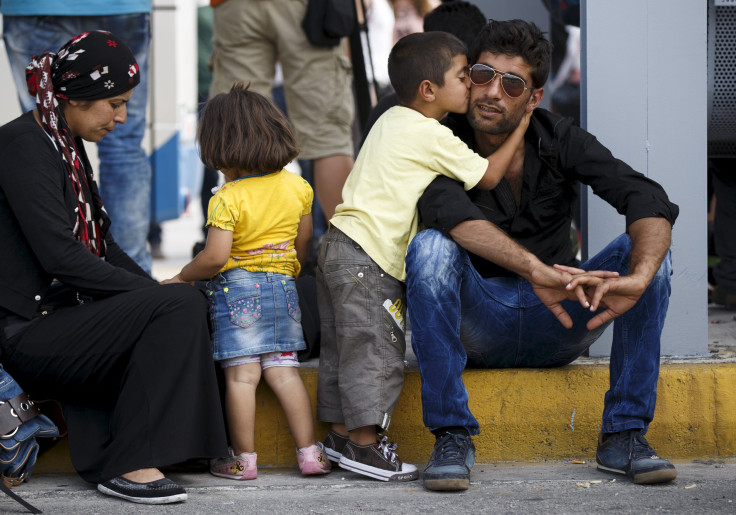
644, 96
173, 106
9, 108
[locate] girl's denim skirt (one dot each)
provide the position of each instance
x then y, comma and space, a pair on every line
254, 313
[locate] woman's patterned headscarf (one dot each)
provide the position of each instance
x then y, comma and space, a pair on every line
91, 66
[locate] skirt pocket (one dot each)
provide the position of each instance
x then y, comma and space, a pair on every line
292, 300
244, 304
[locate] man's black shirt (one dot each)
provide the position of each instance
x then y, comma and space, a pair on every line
559, 155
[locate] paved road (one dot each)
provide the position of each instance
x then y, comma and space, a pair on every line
530, 489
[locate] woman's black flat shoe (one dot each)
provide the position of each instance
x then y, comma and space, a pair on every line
161, 491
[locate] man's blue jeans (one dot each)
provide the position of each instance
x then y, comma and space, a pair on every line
125, 173
459, 318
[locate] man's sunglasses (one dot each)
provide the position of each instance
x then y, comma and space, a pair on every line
512, 85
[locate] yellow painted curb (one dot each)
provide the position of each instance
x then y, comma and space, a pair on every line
527, 415
543, 414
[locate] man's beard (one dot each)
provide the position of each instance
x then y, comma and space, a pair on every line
505, 123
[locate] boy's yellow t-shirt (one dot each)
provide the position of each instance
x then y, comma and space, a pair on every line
403, 153
263, 212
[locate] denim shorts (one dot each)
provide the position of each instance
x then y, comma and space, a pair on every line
254, 313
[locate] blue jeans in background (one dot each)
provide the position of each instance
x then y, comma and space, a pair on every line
458, 318
125, 173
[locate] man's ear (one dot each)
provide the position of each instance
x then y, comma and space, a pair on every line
427, 91
535, 99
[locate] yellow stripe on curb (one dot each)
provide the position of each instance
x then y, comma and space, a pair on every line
527, 415
544, 414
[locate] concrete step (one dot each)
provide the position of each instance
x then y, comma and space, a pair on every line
530, 415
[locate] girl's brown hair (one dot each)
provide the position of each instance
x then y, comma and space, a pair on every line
244, 130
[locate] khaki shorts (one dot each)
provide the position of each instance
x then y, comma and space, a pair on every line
251, 35
362, 343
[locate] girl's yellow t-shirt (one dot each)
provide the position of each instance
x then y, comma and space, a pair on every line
263, 212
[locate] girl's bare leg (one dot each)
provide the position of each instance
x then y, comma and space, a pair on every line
240, 402
287, 384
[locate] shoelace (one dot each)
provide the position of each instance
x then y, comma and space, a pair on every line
640, 448
388, 448
449, 447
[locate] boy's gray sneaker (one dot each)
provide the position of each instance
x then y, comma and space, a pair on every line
629, 453
334, 444
449, 466
378, 461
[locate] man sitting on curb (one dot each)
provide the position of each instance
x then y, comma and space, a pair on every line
481, 286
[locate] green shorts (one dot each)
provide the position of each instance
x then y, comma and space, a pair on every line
362, 343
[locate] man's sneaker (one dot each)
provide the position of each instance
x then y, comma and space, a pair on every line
240, 467
334, 444
161, 491
378, 461
449, 465
629, 453
312, 460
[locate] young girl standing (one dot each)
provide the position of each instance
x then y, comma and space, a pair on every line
259, 225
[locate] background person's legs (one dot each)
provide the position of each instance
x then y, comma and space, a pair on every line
125, 173
319, 99
330, 174
724, 232
26, 36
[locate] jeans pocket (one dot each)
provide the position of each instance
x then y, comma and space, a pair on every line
292, 301
244, 304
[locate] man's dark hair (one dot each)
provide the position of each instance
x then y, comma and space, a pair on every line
516, 38
421, 56
459, 18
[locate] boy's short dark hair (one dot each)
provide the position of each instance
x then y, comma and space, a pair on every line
459, 18
421, 56
244, 130
516, 38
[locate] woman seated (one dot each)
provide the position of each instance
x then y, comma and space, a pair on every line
80, 322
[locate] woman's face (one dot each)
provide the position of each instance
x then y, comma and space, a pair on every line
93, 120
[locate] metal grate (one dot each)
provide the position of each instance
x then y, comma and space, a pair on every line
722, 79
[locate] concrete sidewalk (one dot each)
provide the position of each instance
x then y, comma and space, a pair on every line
708, 487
